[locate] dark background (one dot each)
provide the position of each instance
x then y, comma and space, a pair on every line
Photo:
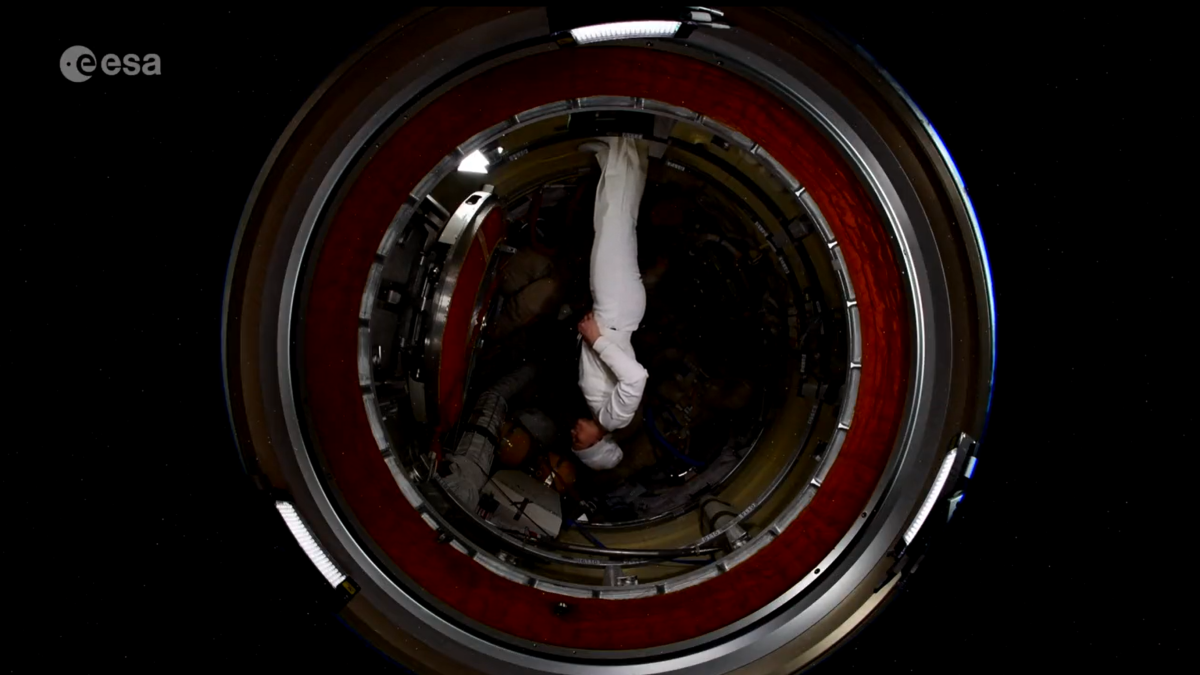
134, 540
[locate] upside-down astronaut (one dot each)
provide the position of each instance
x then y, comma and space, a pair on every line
511, 497
610, 376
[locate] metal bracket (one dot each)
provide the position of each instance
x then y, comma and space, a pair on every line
615, 576
953, 502
965, 447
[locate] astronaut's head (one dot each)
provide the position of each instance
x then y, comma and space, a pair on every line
586, 433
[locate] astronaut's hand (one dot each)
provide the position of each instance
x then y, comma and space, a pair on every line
589, 329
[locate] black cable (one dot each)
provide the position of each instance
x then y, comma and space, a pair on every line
649, 420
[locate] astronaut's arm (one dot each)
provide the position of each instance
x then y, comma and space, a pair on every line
625, 398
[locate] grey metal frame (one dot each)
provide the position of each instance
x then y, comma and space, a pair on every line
894, 500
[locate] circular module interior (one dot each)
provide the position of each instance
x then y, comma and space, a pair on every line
728, 328
637, 342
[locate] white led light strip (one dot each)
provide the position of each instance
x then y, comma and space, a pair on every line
931, 498
625, 30
306, 541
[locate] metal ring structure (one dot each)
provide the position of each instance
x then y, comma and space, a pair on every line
475, 217
463, 224
873, 169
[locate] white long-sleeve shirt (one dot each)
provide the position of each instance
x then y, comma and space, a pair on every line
612, 380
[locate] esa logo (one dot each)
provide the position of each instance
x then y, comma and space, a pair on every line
79, 63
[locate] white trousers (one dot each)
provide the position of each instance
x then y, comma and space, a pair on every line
618, 296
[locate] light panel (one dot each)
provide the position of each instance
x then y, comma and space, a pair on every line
300, 531
625, 30
931, 498
474, 163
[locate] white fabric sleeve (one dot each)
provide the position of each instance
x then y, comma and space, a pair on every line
622, 404
602, 456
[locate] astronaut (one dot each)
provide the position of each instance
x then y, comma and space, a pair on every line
465, 470
610, 376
